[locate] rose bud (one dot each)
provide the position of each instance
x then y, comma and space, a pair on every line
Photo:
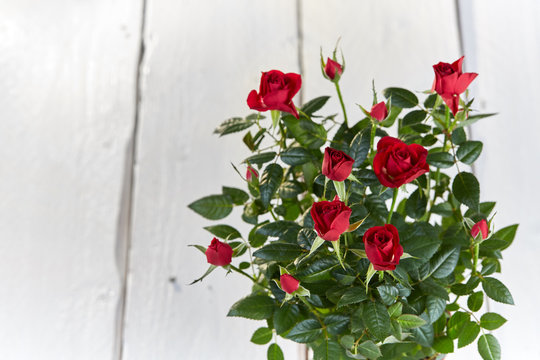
397, 163
333, 70
450, 81
250, 173
382, 247
481, 226
276, 91
288, 283
379, 111
331, 218
219, 253
336, 164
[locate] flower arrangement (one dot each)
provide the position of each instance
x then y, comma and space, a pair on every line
370, 248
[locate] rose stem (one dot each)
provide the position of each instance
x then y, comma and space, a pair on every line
341, 102
232, 267
396, 190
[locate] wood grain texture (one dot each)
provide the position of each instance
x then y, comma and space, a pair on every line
67, 79
202, 59
505, 43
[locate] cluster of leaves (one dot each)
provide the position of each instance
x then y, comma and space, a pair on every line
428, 305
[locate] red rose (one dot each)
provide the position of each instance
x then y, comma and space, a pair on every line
288, 283
382, 247
481, 226
379, 111
219, 253
397, 163
250, 172
333, 69
331, 218
336, 164
450, 82
276, 91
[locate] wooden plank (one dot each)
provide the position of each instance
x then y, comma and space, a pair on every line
202, 59
67, 73
506, 44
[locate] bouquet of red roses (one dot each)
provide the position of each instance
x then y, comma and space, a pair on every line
361, 245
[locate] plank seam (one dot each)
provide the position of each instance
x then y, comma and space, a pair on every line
129, 191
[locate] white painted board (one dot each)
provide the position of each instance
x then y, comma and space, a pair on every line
67, 85
504, 40
202, 59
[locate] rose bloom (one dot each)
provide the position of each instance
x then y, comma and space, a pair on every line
481, 226
288, 283
382, 247
219, 253
397, 163
450, 81
379, 111
250, 173
336, 164
333, 70
276, 91
331, 218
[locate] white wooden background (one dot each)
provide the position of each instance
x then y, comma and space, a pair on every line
106, 115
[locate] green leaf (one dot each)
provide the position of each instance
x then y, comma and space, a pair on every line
400, 97
279, 228
424, 335
443, 344
233, 125
420, 240
256, 307
441, 160
456, 324
290, 189
469, 151
410, 321
497, 291
295, 156
286, 317
306, 237
213, 207
377, 319
238, 197
319, 270
459, 136
359, 147
414, 117
312, 106
388, 294
305, 331
466, 189
489, 347
435, 307
416, 204
224, 232
369, 350
262, 336
278, 252
274, 352
468, 334
327, 350
395, 310
507, 234
336, 324
261, 158
353, 296
270, 181
444, 262
475, 301
306, 132
491, 321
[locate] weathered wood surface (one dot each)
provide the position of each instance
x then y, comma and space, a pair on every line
67, 85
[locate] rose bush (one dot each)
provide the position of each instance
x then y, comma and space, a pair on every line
400, 262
